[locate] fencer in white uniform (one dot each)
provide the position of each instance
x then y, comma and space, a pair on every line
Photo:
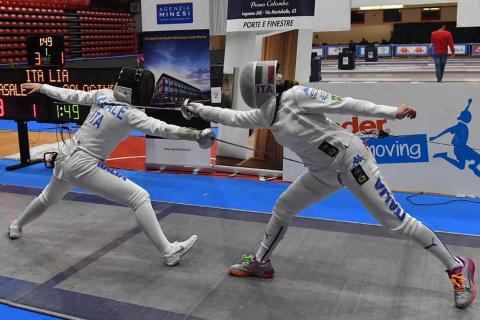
335, 158
113, 116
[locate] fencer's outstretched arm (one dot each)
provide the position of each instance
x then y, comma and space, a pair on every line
62, 94
257, 118
139, 121
313, 101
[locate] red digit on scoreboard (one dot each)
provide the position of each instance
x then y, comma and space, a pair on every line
34, 109
38, 58
2, 109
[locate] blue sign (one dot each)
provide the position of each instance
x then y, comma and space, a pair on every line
400, 149
174, 13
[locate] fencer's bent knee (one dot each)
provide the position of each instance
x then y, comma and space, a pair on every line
406, 228
283, 211
139, 197
48, 198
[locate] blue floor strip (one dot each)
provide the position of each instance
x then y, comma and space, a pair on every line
258, 196
10, 313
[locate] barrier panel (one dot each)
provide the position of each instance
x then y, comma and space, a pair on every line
437, 152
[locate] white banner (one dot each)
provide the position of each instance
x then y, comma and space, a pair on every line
165, 152
166, 15
335, 50
412, 50
264, 15
437, 152
460, 49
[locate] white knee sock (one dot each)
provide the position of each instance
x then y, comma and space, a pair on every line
148, 222
274, 233
34, 210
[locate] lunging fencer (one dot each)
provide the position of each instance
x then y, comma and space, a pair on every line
113, 116
335, 158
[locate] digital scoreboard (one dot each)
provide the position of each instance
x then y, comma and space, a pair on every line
45, 50
15, 104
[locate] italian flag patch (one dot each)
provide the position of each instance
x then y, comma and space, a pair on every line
265, 75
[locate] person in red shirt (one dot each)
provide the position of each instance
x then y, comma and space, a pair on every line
441, 40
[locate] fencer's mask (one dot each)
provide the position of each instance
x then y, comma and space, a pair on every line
134, 86
257, 83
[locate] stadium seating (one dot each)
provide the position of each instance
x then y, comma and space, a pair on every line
88, 32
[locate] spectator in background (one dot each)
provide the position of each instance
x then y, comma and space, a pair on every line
351, 46
441, 39
363, 41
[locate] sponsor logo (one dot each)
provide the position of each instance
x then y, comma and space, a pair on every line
174, 13
366, 125
358, 159
401, 149
432, 245
310, 92
462, 152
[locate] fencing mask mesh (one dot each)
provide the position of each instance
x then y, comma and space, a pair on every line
134, 86
257, 83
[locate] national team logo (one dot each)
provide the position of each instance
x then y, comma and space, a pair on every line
463, 153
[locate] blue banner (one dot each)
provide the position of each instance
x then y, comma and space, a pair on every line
174, 13
401, 149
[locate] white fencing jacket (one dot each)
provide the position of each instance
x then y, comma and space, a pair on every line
109, 121
300, 123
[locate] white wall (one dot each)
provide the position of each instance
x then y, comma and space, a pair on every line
332, 15
240, 47
468, 13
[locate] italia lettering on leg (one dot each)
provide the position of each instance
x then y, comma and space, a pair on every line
389, 201
378, 184
393, 205
399, 213
389, 198
383, 192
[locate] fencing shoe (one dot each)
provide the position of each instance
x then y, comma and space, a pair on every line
179, 249
249, 266
14, 231
464, 289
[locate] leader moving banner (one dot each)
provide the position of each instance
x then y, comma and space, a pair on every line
247, 15
437, 152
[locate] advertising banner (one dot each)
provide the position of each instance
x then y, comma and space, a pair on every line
180, 61
475, 49
262, 15
320, 51
412, 50
333, 51
461, 49
383, 50
437, 152
165, 15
